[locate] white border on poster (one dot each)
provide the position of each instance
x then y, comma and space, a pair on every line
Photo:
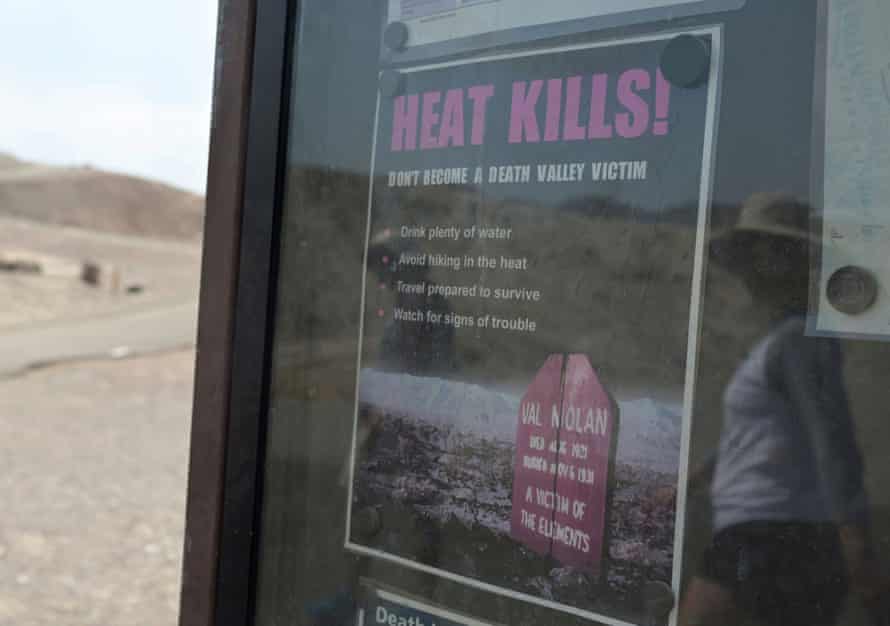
694, 331
709, 156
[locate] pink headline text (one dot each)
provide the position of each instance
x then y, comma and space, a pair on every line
548, 110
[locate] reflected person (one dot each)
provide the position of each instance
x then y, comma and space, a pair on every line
790, 511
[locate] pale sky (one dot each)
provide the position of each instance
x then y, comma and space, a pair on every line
123, 85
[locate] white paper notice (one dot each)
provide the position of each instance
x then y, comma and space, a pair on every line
433, 21
857, 158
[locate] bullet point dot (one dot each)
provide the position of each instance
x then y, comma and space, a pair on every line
386, 260
380, 313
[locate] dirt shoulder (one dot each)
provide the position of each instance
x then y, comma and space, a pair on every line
94, 492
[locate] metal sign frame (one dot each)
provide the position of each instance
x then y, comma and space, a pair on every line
239, 271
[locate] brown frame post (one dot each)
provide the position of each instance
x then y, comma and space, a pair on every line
219, 282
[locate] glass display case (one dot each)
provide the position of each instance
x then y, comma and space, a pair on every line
577, 312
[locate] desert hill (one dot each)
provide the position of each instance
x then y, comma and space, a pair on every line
7, 161
94, 199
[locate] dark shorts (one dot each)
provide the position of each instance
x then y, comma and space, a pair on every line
782, 573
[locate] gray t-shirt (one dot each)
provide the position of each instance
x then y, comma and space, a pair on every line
787, 451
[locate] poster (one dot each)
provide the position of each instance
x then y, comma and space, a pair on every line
435, 21
530, 321
856, 193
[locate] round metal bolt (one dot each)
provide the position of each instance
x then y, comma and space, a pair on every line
658, 601
686, 61
395, 36
852, 290
367, 521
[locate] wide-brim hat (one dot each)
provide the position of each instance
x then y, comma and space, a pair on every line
764, 215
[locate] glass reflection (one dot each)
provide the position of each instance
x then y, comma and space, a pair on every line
790, 511
794, 534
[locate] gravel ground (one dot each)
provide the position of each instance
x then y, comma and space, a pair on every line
93, 459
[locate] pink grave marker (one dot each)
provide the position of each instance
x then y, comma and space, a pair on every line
531, 466
585, 435
562, 511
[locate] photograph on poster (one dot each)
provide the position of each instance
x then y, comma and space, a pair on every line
529, 329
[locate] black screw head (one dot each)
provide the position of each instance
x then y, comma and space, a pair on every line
686, 61
367, 522
658, 600
395, 36
852, 290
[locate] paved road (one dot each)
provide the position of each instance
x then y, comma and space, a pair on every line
123, 334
